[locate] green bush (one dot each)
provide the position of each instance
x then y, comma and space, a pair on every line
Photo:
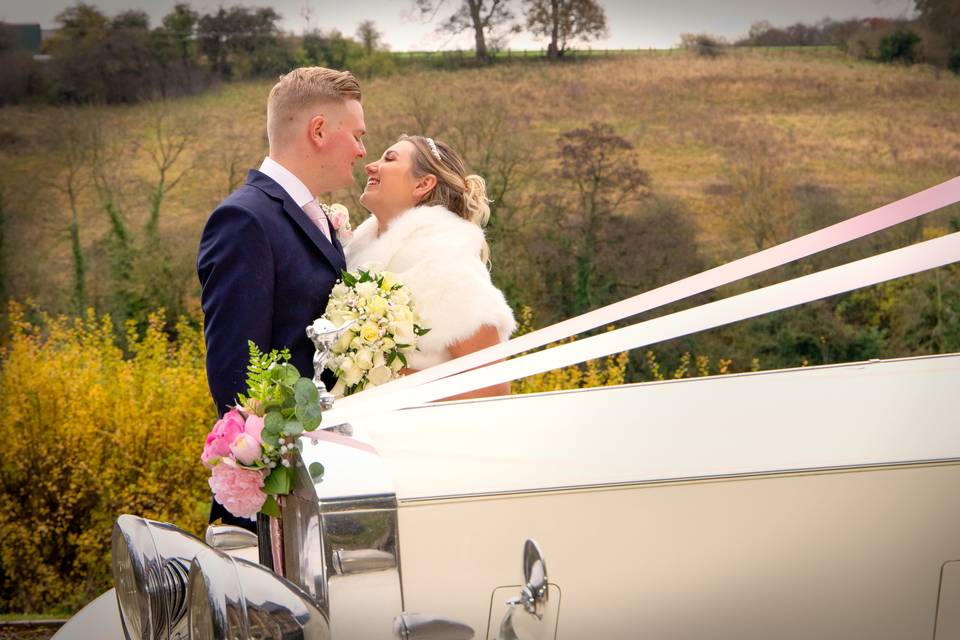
902, 45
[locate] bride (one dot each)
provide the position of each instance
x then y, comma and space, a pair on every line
426, 227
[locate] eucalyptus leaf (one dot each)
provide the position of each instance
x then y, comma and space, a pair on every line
289, 374
278, 482
270, 507
306, 392
270, 438
316, 471
292, 428
273, 422
309, 415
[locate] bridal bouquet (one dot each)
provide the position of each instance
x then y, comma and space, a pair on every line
251, 448
385, 328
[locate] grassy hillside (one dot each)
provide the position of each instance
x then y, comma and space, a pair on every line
750, 149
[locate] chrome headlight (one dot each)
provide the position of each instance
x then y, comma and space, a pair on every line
151, 563
231, 598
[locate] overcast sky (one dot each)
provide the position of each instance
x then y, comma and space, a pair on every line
633, 23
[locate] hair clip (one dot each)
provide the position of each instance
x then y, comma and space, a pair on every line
433, 148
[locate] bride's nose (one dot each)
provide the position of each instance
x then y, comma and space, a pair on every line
370, 168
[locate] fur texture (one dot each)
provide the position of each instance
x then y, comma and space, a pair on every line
436, 254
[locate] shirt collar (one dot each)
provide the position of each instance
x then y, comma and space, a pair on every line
287, 181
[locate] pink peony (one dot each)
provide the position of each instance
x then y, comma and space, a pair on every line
253, 427
245, 449
222, 436
238, 490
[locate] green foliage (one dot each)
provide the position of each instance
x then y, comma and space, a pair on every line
90, 434
900, 46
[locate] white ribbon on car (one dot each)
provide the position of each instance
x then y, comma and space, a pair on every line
462, 375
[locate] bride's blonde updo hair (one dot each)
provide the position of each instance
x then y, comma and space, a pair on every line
465, 195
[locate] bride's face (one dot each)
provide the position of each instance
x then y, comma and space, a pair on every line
391, 186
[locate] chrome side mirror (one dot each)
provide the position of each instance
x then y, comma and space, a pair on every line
535, 593
524, 618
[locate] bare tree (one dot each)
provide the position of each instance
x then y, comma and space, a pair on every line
369, 36
563, 22
71, 176
490, 21
599, 178
168, 139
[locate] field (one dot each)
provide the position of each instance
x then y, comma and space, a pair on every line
693, 162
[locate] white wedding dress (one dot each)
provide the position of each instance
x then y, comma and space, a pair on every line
436, 254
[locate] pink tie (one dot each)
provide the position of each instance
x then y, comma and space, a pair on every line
318, 216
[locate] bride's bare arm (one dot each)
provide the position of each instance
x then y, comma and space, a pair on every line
485, 336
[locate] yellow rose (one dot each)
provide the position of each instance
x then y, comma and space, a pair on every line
369, 332
378, 306
389, 280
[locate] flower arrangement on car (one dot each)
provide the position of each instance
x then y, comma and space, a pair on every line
250, 450
385, 328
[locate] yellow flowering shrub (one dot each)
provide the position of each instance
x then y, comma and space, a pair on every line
90, 433
593, 373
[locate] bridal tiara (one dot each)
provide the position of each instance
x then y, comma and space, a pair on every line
433, 148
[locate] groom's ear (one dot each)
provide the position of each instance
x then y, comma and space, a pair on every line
316, 129
424, 185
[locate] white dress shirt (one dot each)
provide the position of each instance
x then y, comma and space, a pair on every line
289, 182
298, 191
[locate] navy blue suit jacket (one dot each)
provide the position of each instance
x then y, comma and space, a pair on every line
266, 272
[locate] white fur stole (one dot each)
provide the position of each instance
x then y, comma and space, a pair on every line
436, 254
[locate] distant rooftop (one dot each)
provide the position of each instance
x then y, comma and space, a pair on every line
25, 36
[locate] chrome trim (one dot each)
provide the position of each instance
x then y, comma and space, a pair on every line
229, 537
421, 626
232, 598
340, 538
731, 477
155, 580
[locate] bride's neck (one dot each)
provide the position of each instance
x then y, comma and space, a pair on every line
384, 220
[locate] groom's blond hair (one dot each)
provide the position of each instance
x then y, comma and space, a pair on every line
306, 87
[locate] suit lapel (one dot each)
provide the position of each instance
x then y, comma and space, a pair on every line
333, 252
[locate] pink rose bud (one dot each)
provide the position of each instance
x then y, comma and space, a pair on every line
245, 449
222, 435
253, 427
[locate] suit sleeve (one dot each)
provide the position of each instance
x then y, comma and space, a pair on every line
236, 269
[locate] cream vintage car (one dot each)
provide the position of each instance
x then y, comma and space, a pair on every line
820, 502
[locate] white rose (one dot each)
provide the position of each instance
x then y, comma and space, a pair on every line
404, 333
379, 360
380, 375
344, 342
396, 365
386, 344
389, 279
400, 297
366, 289
339, 388
364, 359
339, 290
356, 343
351, 374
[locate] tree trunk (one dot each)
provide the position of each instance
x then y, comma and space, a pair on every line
553, 50
79, 268
480, 43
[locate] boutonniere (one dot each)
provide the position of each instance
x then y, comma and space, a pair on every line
340, 221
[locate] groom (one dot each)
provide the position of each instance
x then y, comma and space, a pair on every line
268, 256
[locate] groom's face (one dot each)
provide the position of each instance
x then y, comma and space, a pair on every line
343, 144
